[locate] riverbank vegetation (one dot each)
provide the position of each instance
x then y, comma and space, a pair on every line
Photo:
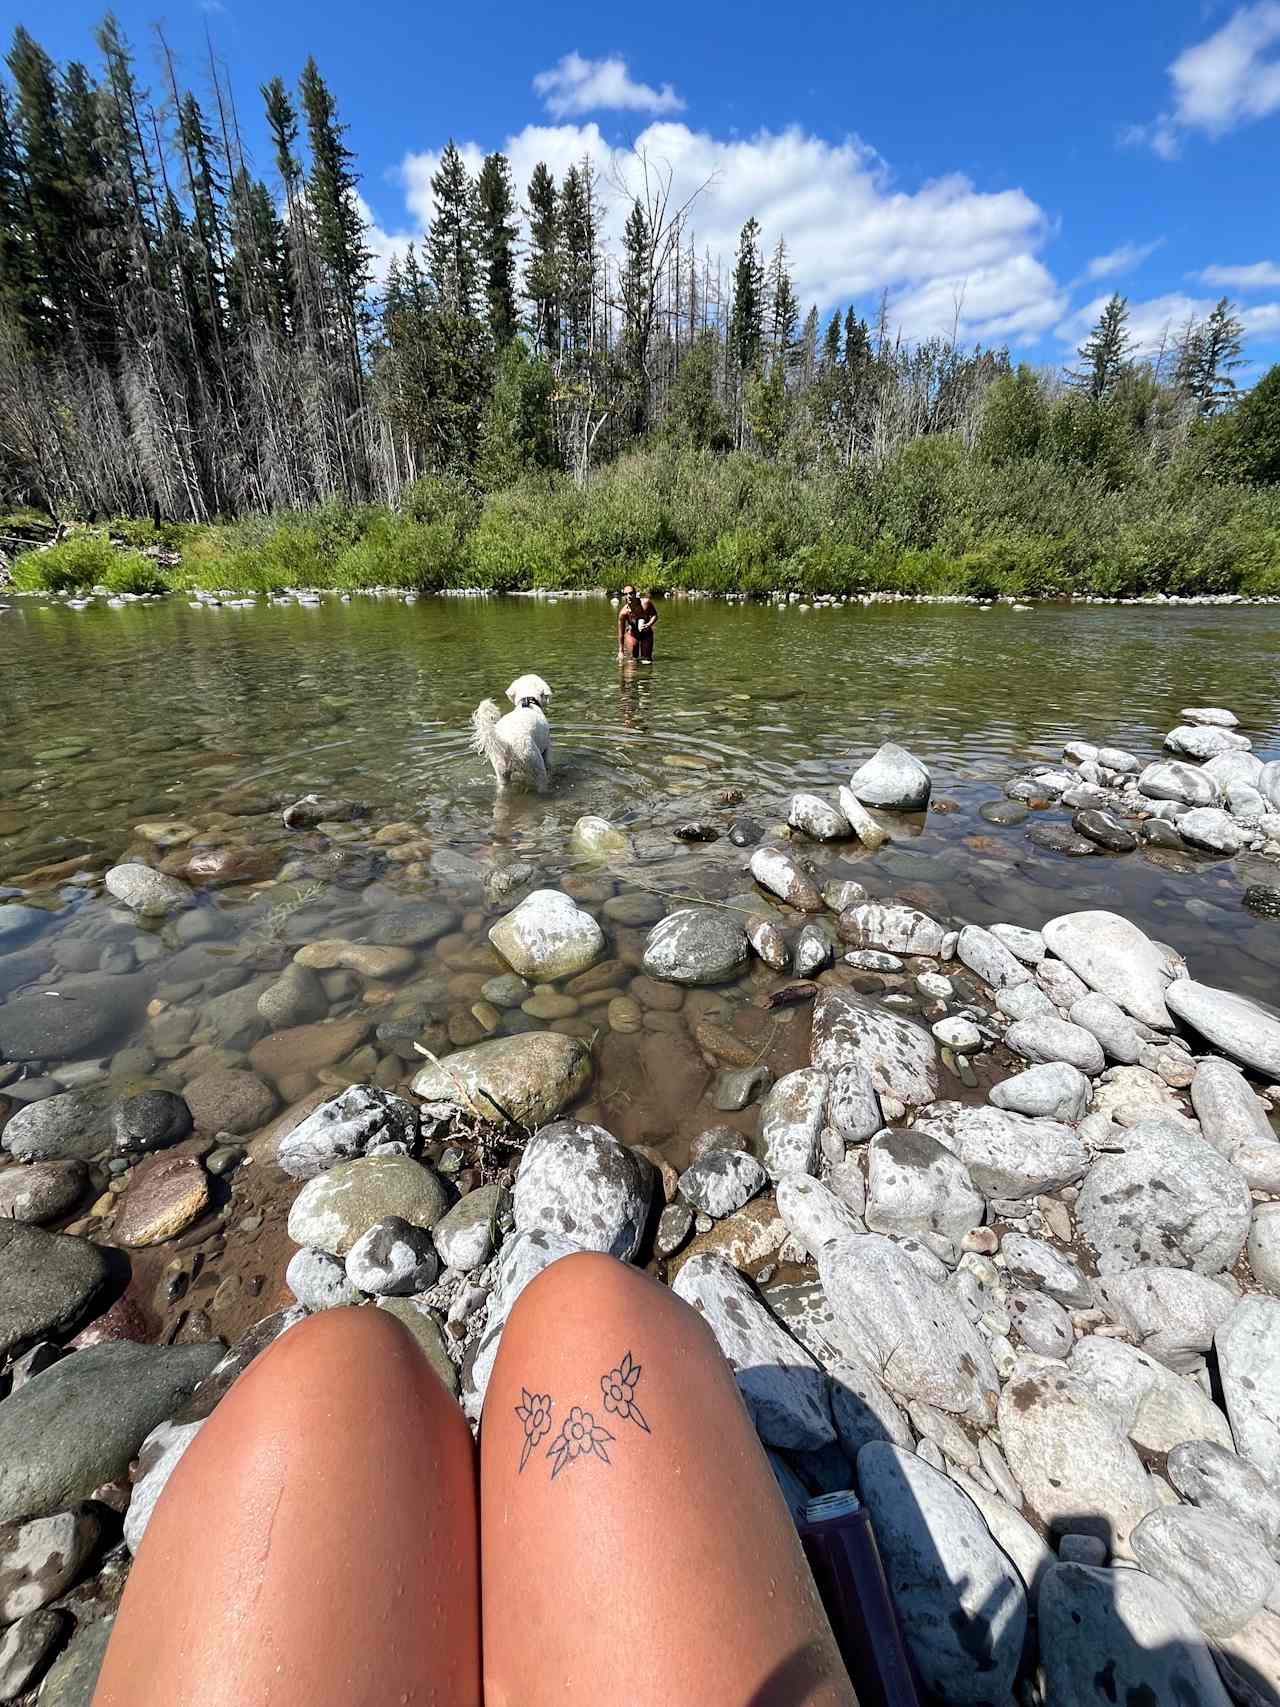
204, 353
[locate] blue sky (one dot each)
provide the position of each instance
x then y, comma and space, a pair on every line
1003, 164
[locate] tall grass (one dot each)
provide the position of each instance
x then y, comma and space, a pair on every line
935, 518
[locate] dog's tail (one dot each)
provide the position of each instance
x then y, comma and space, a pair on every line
484, 722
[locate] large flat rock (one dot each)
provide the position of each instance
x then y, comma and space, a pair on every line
47, 1281
900, 1056
1114, 957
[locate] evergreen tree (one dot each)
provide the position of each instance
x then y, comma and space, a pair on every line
453, 257
784, 310
746, 329
695, 419
542, 269
1209, 354
831, 343
579, 270
635, 278
808, 353
517, 435
1104, 353
334, 210
498, 230
1256, 430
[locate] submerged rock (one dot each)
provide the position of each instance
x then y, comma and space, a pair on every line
548, 937
150, 893
781, 873
696, 945
528, 1078
893, 778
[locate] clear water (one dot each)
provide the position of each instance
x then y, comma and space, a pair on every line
113, 718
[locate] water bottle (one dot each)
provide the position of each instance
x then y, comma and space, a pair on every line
840, 1546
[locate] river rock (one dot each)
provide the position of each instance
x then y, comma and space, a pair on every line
815, 1216
163, 1197
1245, 1030
1061, 838
1032, 1262
1263, 1248
853, 1104
394, 1258
901, 1057
548, 937
89, 1013
901, 930
1108, 1022
1202, 741
814, 950
1115, 958
296, 998
769, 943
871, 834
791, 1121
320, 1282
41, 1191
1024, 1001
1248, 1348
18, 923
1055, 1090
149, 893
1076, 1469
1109, 1636
528, 1078
817, 818
721, 1181
984, 954
1221, 1572
1105, 829
597, 838
1226, 1107
1171, 1313
159, 1458
1042, 1325
308, 1048
150, 1120
577, 1182
1007, 1154
412, 926
962, 1604
893, 778
1045, 1039
1212, 829
915, 1185
334, 1209
1167, 1197
467, 1236
77, 1425
228, 1099
1217, 1480
41, 1559
1155, 1407
346, 1126
25, 1649
696, 945
908, 1328
47, 1282
1172, 780
781, 873
784, 1389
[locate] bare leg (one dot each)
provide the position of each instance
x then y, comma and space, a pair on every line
317, 1542
641, 1554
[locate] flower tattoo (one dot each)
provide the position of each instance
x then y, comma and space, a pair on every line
579, 1436
534, 1411
619, 1389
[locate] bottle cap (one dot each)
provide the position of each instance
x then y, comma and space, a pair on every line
824, 1507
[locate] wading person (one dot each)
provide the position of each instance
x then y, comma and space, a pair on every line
648, 619
327, 1539
630, 619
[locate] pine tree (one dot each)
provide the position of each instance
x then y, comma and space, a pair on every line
496, 201
1104, 353
746, 329
784, 310
1209, 353
808, 354
579, 260
637, 312
831, 343
453, 258
335, 212
542, 270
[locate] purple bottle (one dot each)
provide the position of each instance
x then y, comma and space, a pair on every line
840, 1546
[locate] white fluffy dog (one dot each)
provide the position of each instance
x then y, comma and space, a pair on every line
518, 746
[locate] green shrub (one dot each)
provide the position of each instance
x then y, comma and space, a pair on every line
84, 560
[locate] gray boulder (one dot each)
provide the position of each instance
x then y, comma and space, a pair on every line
893, 778
1109, 1636
1107, 1020
161, 1453
915, 1185
791, 1121
548, 936
1044, 1039
783, 1387
467, 1235
721, 1181
1167, 1197
150, 893
899, 929
815, 1216
74, 1125
1218, 1480
1115, 958
89, 1014
1263, 1247
150, 1120
1245, 1030
1211, 829
47, 1283
41, 1191
900, 1057
1248, 1348
346, 1126
1202, 741
77, 1425
1007, 1155
781, 873
528, 1079
319, 1281
1054, 1090
962, 1603
1032, 1262
1220, 1571
1226, 1107
863, 1408
1042, 1325
1153, 1405
990, 959
696, 945
332, 1211
41, 1559
1171, 1313
393, 1259
853, 1104
817, 818
906, 1327
1173, 780
576, 1181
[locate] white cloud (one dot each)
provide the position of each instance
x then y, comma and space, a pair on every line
850, 232
384, 246
1161, 319
1229, 79
1262, 275
578, 85
1126, 259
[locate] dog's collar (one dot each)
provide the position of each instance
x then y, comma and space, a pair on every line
528, 705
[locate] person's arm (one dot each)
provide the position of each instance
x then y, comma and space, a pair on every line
622, 617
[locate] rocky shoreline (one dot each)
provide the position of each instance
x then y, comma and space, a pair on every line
987, 1219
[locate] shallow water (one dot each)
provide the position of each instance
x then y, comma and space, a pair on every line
211, 717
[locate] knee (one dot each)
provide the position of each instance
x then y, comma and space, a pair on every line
589, 1287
